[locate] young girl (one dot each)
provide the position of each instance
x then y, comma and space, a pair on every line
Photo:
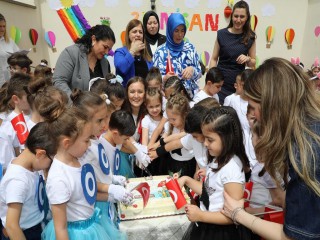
182, 160
154, 78
225, 172
71, 186
21, 206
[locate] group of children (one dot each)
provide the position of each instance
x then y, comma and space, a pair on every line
82, 149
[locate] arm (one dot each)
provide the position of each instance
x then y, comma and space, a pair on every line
265, 229
12, 222
59, 215
196, 186
157, 132
252, 55
145, 136
278, 196
123, 60
215, 55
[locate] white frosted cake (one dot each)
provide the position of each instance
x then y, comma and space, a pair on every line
160, 203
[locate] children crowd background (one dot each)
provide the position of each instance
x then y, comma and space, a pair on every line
150, 116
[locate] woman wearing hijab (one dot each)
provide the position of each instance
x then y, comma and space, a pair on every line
151, 25
183, 55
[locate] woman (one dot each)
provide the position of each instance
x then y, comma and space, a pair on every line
235, 48
133, 59
285, 104
184, 57
151, 26
7, 46
79, 63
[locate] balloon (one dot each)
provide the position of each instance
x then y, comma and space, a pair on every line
269, 35
289, 36
227, 11
33, 35
123, 37
50, 38
253, 22
18, 35
205, 58
13, 31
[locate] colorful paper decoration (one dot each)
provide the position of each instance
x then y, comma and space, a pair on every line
20, 126
15, 34
253, 22
289, 36
33, 35
269, 35
196, 20
317, 31
105, 21
74, 21
135, 15
227, 11
205, 58
50, 38
66, 3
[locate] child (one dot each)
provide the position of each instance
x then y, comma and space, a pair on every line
226, 168
42, 70
213, 84
238, 85
154, 78
70, 185
19, 62
183, 159
17, 96
21, 209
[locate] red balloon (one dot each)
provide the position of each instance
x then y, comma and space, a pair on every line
33, 35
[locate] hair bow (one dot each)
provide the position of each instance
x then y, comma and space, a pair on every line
316, 63
106, 98
316, 77
93, 80
296, 61
43, 64
118, 79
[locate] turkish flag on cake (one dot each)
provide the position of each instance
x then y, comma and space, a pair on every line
176, 193
144, 190
20, 126
169, 67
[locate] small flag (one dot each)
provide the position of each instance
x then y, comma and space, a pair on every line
144, 190
20, 126
176, 193
169, 67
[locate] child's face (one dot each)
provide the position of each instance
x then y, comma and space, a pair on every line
175, 119
198, 136
154, 107
136, 94
118, 138
238, 85
214, 88
82, 142
251, 118
212, 141
22, 104
117, 102
16, 69
154, 83
315, 71
99, 120
256, 109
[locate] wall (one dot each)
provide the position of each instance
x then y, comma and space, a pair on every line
300, 15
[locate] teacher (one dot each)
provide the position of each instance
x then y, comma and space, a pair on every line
7, 47
84, 60
234, 48
184, 57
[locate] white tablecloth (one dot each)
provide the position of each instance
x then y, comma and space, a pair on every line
161, 228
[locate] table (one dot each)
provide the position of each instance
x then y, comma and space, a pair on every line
160, 228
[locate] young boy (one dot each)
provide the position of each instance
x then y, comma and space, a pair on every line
214, 82
238, 85
19, 62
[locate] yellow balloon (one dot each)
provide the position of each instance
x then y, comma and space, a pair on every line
13, 32
66, 3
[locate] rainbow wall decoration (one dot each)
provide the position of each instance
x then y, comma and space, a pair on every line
74, 21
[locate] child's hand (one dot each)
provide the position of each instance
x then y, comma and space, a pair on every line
152, 154
201, 173
154, 146
193, 212
181, 181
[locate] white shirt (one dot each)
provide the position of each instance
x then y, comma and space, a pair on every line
64, 186
186, 154
4, 115
149, 123
20, 185
153, 47
6, 49
228, 99
199, 150
110, 150
230, 173
203, 95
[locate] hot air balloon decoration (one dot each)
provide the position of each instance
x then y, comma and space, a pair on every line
50, 38
289, 36
15, 34
205, 57
228, 9
269, 35
253, 22
33, 35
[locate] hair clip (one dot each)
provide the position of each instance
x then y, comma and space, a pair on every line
315, 77
108, 102
93, 80
118, 79
43, 64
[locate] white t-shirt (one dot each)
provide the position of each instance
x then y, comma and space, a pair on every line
136, 135
215, 181
30, 124
6, 49
64, 186
186, 154
199, 150
261, 185
4, 115
20, 185
110, 150
153, 47
229, 98
203, 95
150, 124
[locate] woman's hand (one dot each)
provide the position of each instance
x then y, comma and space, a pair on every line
230, 204
193, 212
187, 73
136, 47
243, 59
152, 154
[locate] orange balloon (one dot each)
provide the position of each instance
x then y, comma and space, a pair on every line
123, 37
289, 36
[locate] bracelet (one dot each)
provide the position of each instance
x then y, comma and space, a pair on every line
162, 143
251, 227
234, 214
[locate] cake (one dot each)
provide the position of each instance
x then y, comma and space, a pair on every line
160, 203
